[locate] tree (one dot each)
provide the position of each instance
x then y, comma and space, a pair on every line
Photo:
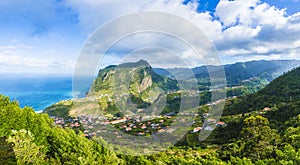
288, 155
292, 136
259, 140
67, 147
26, 151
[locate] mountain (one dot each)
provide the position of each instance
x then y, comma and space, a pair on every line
132, 83
261, 124
139, 76
281, 91
286, 86
278, 104
145, 84
241, 72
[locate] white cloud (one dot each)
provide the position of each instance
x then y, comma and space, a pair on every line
93, 14
241, 30
254, 30
244, 30
230, 12
16, 56
249, 13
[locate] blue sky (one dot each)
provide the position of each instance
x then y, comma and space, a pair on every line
46, 36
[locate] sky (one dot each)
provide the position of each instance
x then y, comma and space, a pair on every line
47, 36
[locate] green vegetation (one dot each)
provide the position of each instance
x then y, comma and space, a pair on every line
35, 140
60, 109
261, 128
280, 93
241, 73
139, 76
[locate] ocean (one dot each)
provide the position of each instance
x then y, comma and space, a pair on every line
36, 91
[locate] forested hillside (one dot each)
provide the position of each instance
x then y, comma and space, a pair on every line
238, 73
31, 138
285, 90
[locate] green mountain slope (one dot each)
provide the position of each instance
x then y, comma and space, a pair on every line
241, 72
283, 90
135, 82
140, 74
286, 86
262, 126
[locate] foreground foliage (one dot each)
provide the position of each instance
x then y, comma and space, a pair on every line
30, 138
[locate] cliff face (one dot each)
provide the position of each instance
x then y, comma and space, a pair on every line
146, 83
139, 76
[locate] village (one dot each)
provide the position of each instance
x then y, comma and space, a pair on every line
134, 125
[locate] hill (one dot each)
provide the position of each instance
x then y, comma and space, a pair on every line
259, 125
134, 83
140, 75
286, 86
241, 72
282, 92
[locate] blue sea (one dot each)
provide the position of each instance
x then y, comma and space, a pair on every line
36, 91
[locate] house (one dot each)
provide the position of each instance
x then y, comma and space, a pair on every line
170, 130
154, 125
84, 122
208, 128
143, 126
99, 131
160, 130
212, 120
197, 129
118, 121
220, 123
141, 133
128, 129
123, 126
137, 118
105, 123
170, 114
205, 115
90, 127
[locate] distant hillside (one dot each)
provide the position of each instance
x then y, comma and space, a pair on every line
283, 90
286, 86
238, 73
